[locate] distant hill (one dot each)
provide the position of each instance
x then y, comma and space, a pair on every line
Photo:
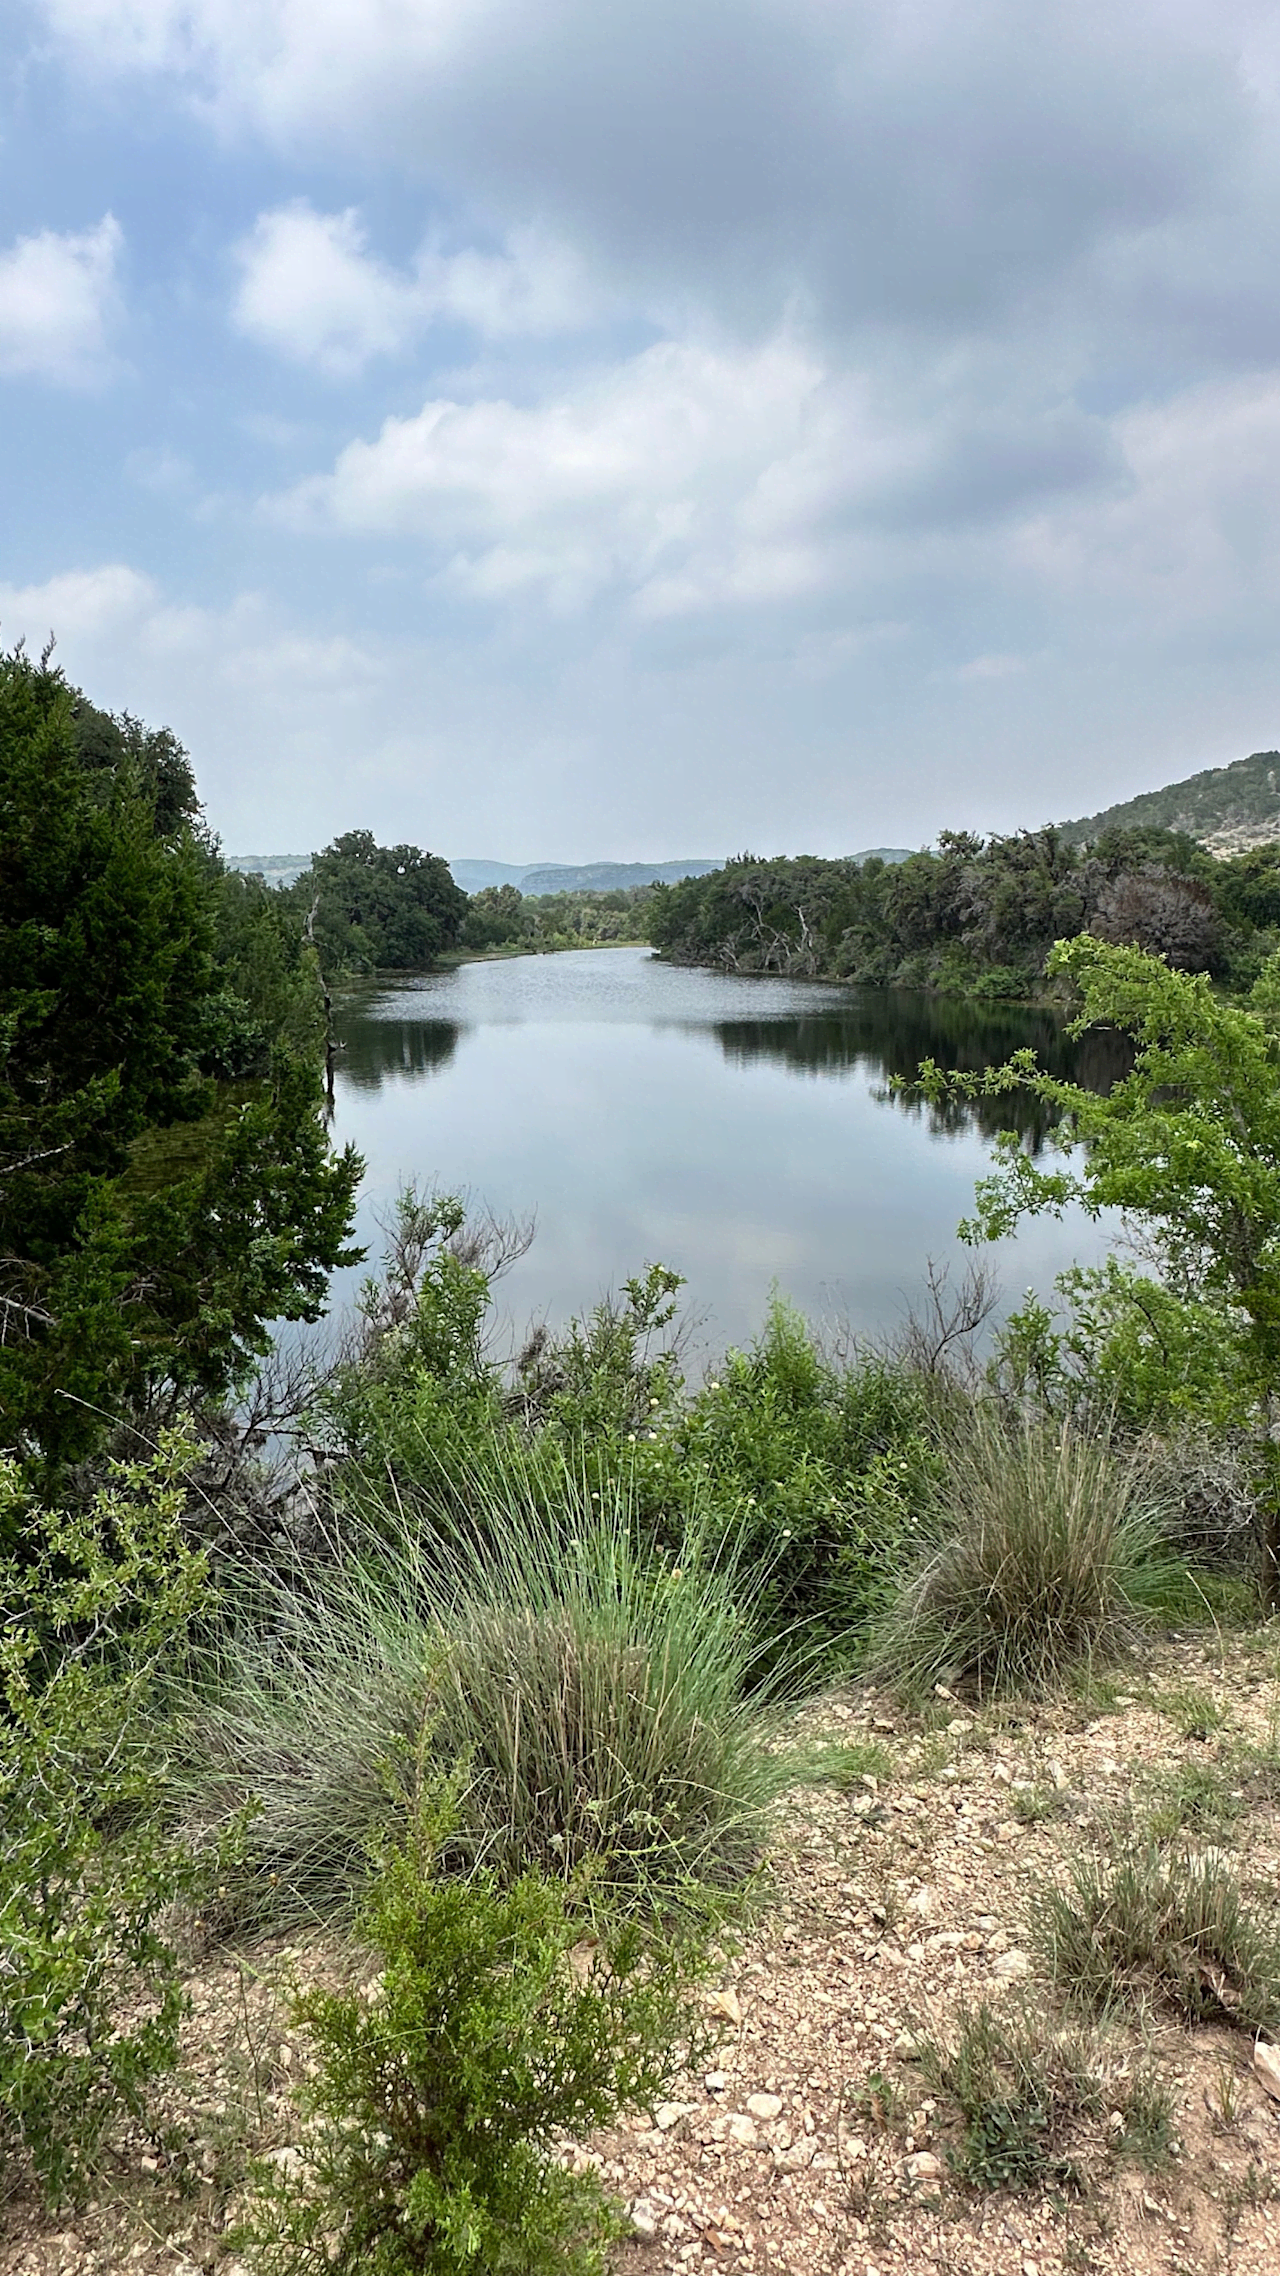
585, 877
278, 869
1227, 808
543, 877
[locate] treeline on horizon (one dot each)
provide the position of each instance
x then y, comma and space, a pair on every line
977, 916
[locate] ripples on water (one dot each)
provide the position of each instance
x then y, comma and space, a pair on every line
743, 1131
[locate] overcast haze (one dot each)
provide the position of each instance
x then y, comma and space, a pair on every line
564, 429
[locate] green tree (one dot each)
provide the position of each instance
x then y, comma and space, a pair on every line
112, 1296
376, 907
1186, 1146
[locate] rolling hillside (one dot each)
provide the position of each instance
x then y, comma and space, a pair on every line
1227, 808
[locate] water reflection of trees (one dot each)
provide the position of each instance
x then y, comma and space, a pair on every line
888, 1032
377, 1051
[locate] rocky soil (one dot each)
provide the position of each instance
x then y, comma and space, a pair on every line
906, 1881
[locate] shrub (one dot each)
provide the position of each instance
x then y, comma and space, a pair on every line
816, 1471
1026, 2092
808, 1471
1168, 1925
1047, 1551
437, 2097
594, 1694
90, 1994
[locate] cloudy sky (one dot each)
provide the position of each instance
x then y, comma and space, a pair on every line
632, 428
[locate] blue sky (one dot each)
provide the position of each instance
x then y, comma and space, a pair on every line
594, 430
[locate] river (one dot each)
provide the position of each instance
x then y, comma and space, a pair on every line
742, 1131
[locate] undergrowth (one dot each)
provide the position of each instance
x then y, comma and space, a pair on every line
1155, 1923
438, 2094
1034, 2099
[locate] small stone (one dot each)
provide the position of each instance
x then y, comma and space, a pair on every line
1011, 1965
715, 2082
765, 2106
669, 2114
726, 2003
924, 2166
644, 2218
742, 2130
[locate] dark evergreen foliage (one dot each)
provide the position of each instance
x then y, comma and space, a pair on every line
975, 916
117, 998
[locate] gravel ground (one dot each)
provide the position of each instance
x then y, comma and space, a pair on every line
811, 2148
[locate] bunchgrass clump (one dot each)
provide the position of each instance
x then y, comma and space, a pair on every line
1042, 1557
594, 1695
1035, 2100
434, 2103
1175, 1927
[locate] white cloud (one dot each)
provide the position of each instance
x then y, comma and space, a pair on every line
311, 289
57, 295
684, 476
1192, 531
79, 605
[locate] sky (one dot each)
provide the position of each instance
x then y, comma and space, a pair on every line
633, 429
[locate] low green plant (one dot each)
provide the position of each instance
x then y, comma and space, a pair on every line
1040, 1564
439, 2091
1194, 1711
1148, 1922
90, 1988
1027, 2091
844, 1764
1033, 1805
597, 1695
1195, 1798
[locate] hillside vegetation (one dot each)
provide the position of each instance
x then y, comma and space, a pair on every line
977, 916
1228, 809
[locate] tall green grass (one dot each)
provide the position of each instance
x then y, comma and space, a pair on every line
593, 1697
1044, 1553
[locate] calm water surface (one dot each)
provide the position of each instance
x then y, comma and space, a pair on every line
739, 1130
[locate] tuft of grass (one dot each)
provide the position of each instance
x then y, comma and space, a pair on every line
843, 1764
1166, 1925
1033, 1805
1048, 1557
593, 1696
1028, 2095
1195, 1712
1196, 1798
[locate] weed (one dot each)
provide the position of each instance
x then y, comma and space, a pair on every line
1165, 1924
1194, 1798
1224, 2099
1033, 1805
1048, 1551
1196, 1713
1026, 2092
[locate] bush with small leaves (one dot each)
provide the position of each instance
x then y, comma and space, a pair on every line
440, 2091
90, 1989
